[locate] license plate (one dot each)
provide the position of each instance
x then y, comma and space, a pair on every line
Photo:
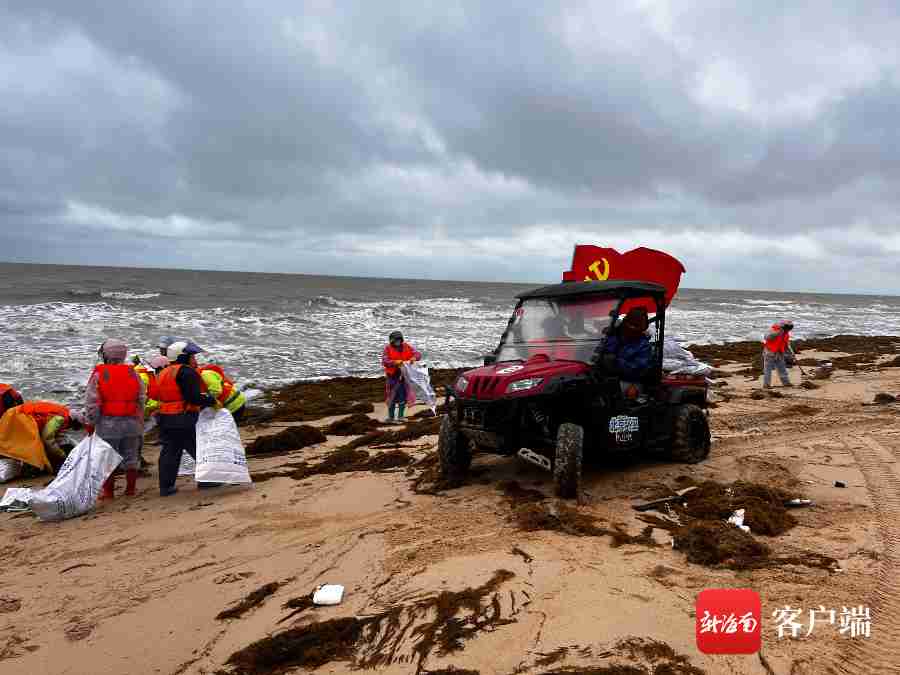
623, 424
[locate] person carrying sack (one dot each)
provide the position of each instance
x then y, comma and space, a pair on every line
114, 407
397, 394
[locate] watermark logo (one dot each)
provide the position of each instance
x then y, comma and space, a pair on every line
851, 622
728, 621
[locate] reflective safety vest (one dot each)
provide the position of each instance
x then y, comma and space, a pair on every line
779, 343
228, 390
42, 411
4, 389
405, 354
119, 389
148, 377
171, 401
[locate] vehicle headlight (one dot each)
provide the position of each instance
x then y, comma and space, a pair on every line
461, 384
522, 385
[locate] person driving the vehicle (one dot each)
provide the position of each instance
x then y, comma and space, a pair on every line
627, 351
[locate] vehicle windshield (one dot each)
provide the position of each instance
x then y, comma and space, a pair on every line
560, 328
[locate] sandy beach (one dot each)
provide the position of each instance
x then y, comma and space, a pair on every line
494, 576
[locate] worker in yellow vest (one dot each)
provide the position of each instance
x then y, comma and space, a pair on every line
223, 389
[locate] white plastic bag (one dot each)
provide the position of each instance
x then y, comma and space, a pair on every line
220, 453
16, 498
10, 469
679, 361
74, 490
416, 375
329, 594
188, 466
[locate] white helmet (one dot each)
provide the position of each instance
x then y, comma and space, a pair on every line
176, 349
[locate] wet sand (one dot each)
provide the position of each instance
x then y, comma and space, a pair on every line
495, 576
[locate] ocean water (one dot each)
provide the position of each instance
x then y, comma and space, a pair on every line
270, 329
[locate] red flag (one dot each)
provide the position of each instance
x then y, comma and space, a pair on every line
595, 263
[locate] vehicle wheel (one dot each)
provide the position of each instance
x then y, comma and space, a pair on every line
567, 467
454, 450
690, 435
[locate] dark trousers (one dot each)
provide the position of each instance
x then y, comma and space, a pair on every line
174, 441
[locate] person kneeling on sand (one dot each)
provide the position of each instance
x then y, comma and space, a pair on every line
777, 353
114, 406
179, 390
397, 394
52, 420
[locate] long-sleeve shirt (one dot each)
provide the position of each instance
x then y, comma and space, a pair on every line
49, 433
113, 428
632, 358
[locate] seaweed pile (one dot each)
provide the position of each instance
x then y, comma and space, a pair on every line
700, 531
412, 431
356, 424
285, 441
344, 460
645, 656
534, 517
438, 624
253, 600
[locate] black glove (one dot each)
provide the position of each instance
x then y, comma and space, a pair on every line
207, 401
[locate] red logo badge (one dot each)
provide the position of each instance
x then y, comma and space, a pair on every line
728, 621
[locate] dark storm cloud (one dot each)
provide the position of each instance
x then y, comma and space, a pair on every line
476, 140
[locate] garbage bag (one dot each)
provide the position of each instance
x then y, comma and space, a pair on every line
416, 375
74, 490
679, 361
220, 453
10, 469
16, 499
188, 466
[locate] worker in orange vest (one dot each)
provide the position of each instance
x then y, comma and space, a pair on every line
9, 398
397, 394
114, 406
181, 396
777, 353
52, 419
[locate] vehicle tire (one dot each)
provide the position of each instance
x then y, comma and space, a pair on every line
690, 435
567, 467
454, 450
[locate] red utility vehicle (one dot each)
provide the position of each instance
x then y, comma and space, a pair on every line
547, 393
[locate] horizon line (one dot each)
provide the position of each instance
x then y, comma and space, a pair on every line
454, 281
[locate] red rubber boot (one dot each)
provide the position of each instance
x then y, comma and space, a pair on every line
131, 476
109, 488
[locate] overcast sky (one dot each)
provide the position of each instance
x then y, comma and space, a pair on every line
756, 141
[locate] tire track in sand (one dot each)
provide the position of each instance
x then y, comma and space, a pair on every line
878, 653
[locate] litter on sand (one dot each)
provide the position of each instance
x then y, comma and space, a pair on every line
737, 519
328, 594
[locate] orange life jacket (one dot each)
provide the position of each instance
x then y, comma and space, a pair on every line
227, 383
405, 354
42, 411
119, 389
171, 401
4, 388
779, 343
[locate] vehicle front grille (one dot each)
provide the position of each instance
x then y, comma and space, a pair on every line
483, 386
